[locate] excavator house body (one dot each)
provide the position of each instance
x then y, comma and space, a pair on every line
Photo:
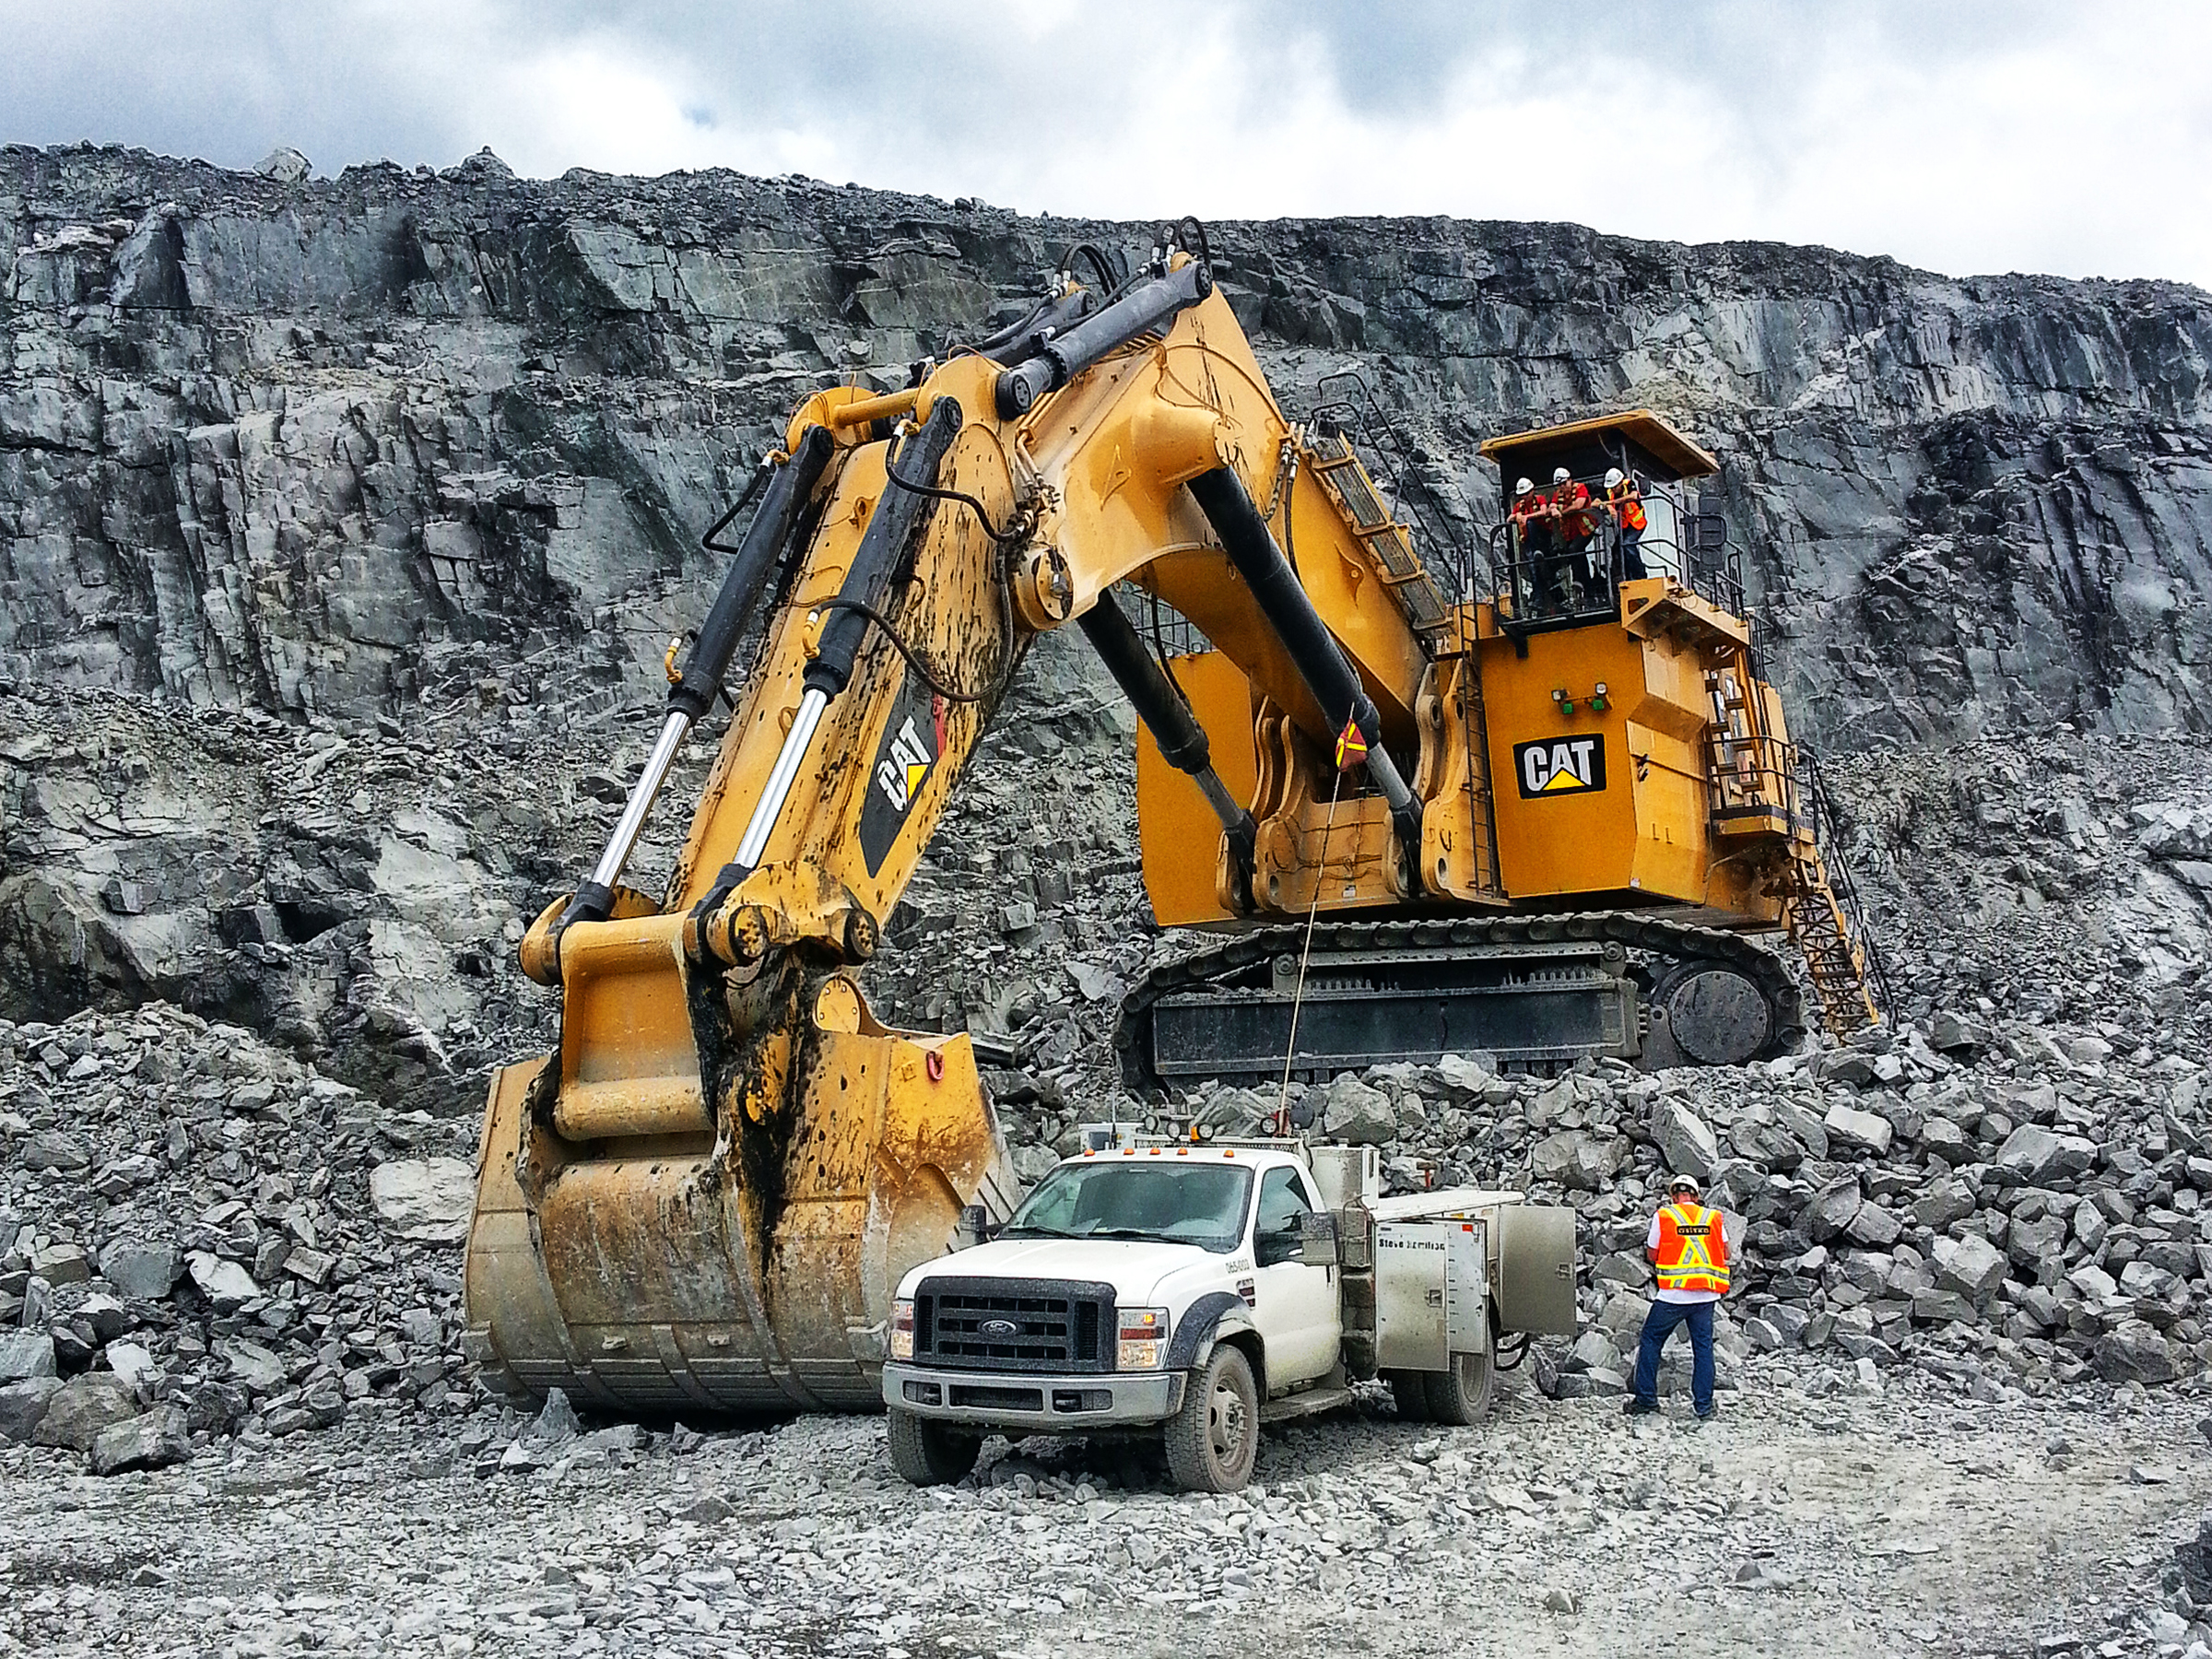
705, 1199
1595, 806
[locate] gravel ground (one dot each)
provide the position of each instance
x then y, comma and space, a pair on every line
1912, 1522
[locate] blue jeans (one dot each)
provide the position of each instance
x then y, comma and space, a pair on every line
1658, 1326
1632, 556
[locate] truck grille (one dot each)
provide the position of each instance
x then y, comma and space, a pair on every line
1014, 1324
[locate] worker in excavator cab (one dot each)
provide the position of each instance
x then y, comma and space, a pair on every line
1532, 530
1624, 502
1688, 1246
1572, 529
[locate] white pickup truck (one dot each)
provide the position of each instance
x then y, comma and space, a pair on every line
1200, 1290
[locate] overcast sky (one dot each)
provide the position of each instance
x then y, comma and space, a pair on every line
2066, 136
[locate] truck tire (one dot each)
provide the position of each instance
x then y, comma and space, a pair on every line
927, 1454
1213, 1440
1409, 1390
1461, 1396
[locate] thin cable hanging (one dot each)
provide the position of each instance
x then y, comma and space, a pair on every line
1305, 955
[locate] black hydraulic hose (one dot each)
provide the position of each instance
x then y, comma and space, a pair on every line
1023, 340
1191, 233
1002, 537
882, 550
789, 490
913, 659
1314, 650
1107, 281
992, 345
695, 690
753, 486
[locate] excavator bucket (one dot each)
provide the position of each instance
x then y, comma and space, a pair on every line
703, 1203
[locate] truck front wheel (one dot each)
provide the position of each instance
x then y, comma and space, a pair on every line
927, 1454
1214, 1439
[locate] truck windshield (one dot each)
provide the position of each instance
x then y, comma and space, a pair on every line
1191, 1204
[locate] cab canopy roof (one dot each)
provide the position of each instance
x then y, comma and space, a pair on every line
1637, 441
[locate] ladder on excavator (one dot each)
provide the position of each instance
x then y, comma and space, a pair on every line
1760, 801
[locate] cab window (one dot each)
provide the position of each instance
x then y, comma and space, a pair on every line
1283, 1200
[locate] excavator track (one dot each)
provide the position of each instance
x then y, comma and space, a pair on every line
1530, 990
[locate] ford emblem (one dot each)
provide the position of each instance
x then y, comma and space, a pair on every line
998, 1330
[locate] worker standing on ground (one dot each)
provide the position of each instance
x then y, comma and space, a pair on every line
1688, 1245
1625, 501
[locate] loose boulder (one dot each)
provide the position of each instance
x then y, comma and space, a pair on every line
151, 1441
1972, 1266
142, 1272
226, 1284
1684, 1141
25, 1355
81, 1408
1354, 1112
1866, 1131
2133, 1351
2033, 1156
1829, 1213
23, 1404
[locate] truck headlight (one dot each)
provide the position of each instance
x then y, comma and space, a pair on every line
902, 1328
1144, 1339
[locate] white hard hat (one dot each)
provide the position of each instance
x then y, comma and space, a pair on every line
1614, 475
1522, 486
1561, 475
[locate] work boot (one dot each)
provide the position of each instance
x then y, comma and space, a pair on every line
1639, 1407
1709, 1412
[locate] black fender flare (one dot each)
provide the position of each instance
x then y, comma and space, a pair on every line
1201, 1321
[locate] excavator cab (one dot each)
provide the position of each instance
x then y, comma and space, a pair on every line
1566, 569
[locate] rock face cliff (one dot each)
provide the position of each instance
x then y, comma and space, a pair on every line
331, 511
298, 445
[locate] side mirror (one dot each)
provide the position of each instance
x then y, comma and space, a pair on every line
973, 1228
1318, 1238
1269, 1248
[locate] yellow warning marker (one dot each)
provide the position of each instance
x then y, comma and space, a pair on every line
1351, 749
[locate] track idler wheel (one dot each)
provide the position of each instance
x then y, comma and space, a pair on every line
1714, 1014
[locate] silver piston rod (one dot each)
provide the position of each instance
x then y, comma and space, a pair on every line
609, 872
770, 806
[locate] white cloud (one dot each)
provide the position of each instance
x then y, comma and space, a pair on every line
1987, 135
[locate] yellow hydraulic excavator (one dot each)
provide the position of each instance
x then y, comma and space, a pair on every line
1527, 804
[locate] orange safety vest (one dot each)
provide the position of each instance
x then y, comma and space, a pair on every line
1631, 508
1693, 1250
